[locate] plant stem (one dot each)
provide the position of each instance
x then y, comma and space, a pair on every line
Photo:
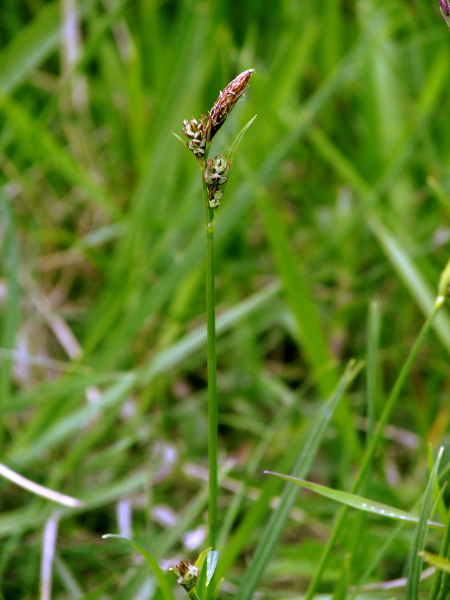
212, 372
372, 446
193, 594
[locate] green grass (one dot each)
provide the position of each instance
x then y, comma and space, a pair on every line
329, 244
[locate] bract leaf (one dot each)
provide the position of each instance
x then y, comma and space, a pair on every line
238, 140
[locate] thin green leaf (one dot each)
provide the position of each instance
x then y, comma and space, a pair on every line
415, 561
237, 141
201, 582
355, 501
164, 586
413, 278
178, 138
439, 588
435, 560
201, 558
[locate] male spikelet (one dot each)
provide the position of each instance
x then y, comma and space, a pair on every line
224, 104
201, 133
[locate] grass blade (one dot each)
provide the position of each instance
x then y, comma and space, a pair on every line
164, 586
415, 561
358, 502
316, 431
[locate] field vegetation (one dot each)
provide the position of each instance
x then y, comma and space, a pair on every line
333, 338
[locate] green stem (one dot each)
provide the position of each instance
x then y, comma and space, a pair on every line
193, 594
372, 446
212, 372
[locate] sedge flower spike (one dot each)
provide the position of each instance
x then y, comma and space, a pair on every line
194, 131
216, 176
201, 133
225, 102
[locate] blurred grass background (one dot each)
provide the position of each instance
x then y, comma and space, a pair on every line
335, 224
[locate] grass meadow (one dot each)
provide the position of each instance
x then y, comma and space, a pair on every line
332, 354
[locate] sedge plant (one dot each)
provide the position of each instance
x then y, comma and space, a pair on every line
214, 177
195, 578
214, 174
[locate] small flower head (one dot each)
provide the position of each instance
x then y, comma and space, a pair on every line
197, 141
225, 102
186, 574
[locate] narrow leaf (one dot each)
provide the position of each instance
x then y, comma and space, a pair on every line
237, 141
435, 561
201, 558
179, 139
415, 562
157, 571
357, 501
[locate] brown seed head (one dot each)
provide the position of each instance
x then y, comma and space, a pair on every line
225, 102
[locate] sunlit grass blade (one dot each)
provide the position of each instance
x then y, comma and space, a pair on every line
355, 501
38, 489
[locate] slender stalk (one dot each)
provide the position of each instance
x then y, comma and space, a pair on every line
193, 595
372, 445
214, 174
212, 371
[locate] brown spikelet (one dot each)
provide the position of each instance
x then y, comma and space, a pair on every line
224, 104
